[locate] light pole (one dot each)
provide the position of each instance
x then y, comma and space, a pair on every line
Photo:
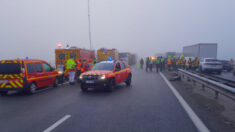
89, 23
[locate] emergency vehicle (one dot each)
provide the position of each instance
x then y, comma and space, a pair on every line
26, 75
106, 74
103, 54
62, 55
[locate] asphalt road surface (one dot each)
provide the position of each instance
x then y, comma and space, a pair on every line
148, 106
227, 75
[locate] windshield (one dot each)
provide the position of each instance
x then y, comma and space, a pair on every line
211, 60
103, 66
10, 68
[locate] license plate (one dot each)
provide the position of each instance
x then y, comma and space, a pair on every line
89, 81
3, 81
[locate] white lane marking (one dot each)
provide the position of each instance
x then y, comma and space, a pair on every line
196, 120
57, 123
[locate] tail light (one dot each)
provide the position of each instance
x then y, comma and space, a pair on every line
23, 71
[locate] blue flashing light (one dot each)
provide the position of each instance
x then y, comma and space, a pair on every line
27, 57
105, 51
110, 59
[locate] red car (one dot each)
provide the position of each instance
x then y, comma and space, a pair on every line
106, 74
26, 75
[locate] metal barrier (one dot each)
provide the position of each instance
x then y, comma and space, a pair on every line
217, 87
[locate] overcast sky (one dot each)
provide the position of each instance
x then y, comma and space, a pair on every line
33, 27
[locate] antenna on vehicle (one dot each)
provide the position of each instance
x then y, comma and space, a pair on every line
89, 23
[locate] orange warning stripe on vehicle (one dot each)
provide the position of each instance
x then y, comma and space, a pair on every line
41, 77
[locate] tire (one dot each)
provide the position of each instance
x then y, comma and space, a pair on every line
32, 88
201, 70
3, 93
84, 88
56, 82
61, 79
128, 81
110, 86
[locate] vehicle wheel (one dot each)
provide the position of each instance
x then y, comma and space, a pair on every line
128, 81
84, 88
66, 78
202, 71
3, 93
61, 79
110, 86
56, 82
32, 88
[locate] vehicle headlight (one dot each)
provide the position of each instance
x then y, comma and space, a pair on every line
81, 77
60, 72
102, 77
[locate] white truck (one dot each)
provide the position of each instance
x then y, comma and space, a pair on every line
201, 50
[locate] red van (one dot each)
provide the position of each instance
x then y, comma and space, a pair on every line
26, 75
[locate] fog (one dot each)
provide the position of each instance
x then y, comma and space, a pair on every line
33, 28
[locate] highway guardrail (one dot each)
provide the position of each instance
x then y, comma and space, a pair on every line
217, 87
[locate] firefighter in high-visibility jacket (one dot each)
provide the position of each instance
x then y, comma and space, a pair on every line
196, 64
147, 61
70, 67
162, 63
179, 63
89, 65
231, 62
184, 62
79, 64
151, 65
169, 64
158, 63
190, 63
174, 63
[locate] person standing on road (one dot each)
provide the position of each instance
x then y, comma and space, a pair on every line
162, 63
158, 61
190, 63
141, 63
147, 64
231, 62
174, 61
70, 66
184, 62
78, 67
179, 63
151, 64
169, 64
196, 64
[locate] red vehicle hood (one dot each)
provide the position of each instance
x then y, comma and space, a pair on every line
97, 72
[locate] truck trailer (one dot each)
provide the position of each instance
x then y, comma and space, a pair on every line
201, 50
128, 57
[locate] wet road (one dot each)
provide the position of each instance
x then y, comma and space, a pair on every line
227, 75
148, 106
